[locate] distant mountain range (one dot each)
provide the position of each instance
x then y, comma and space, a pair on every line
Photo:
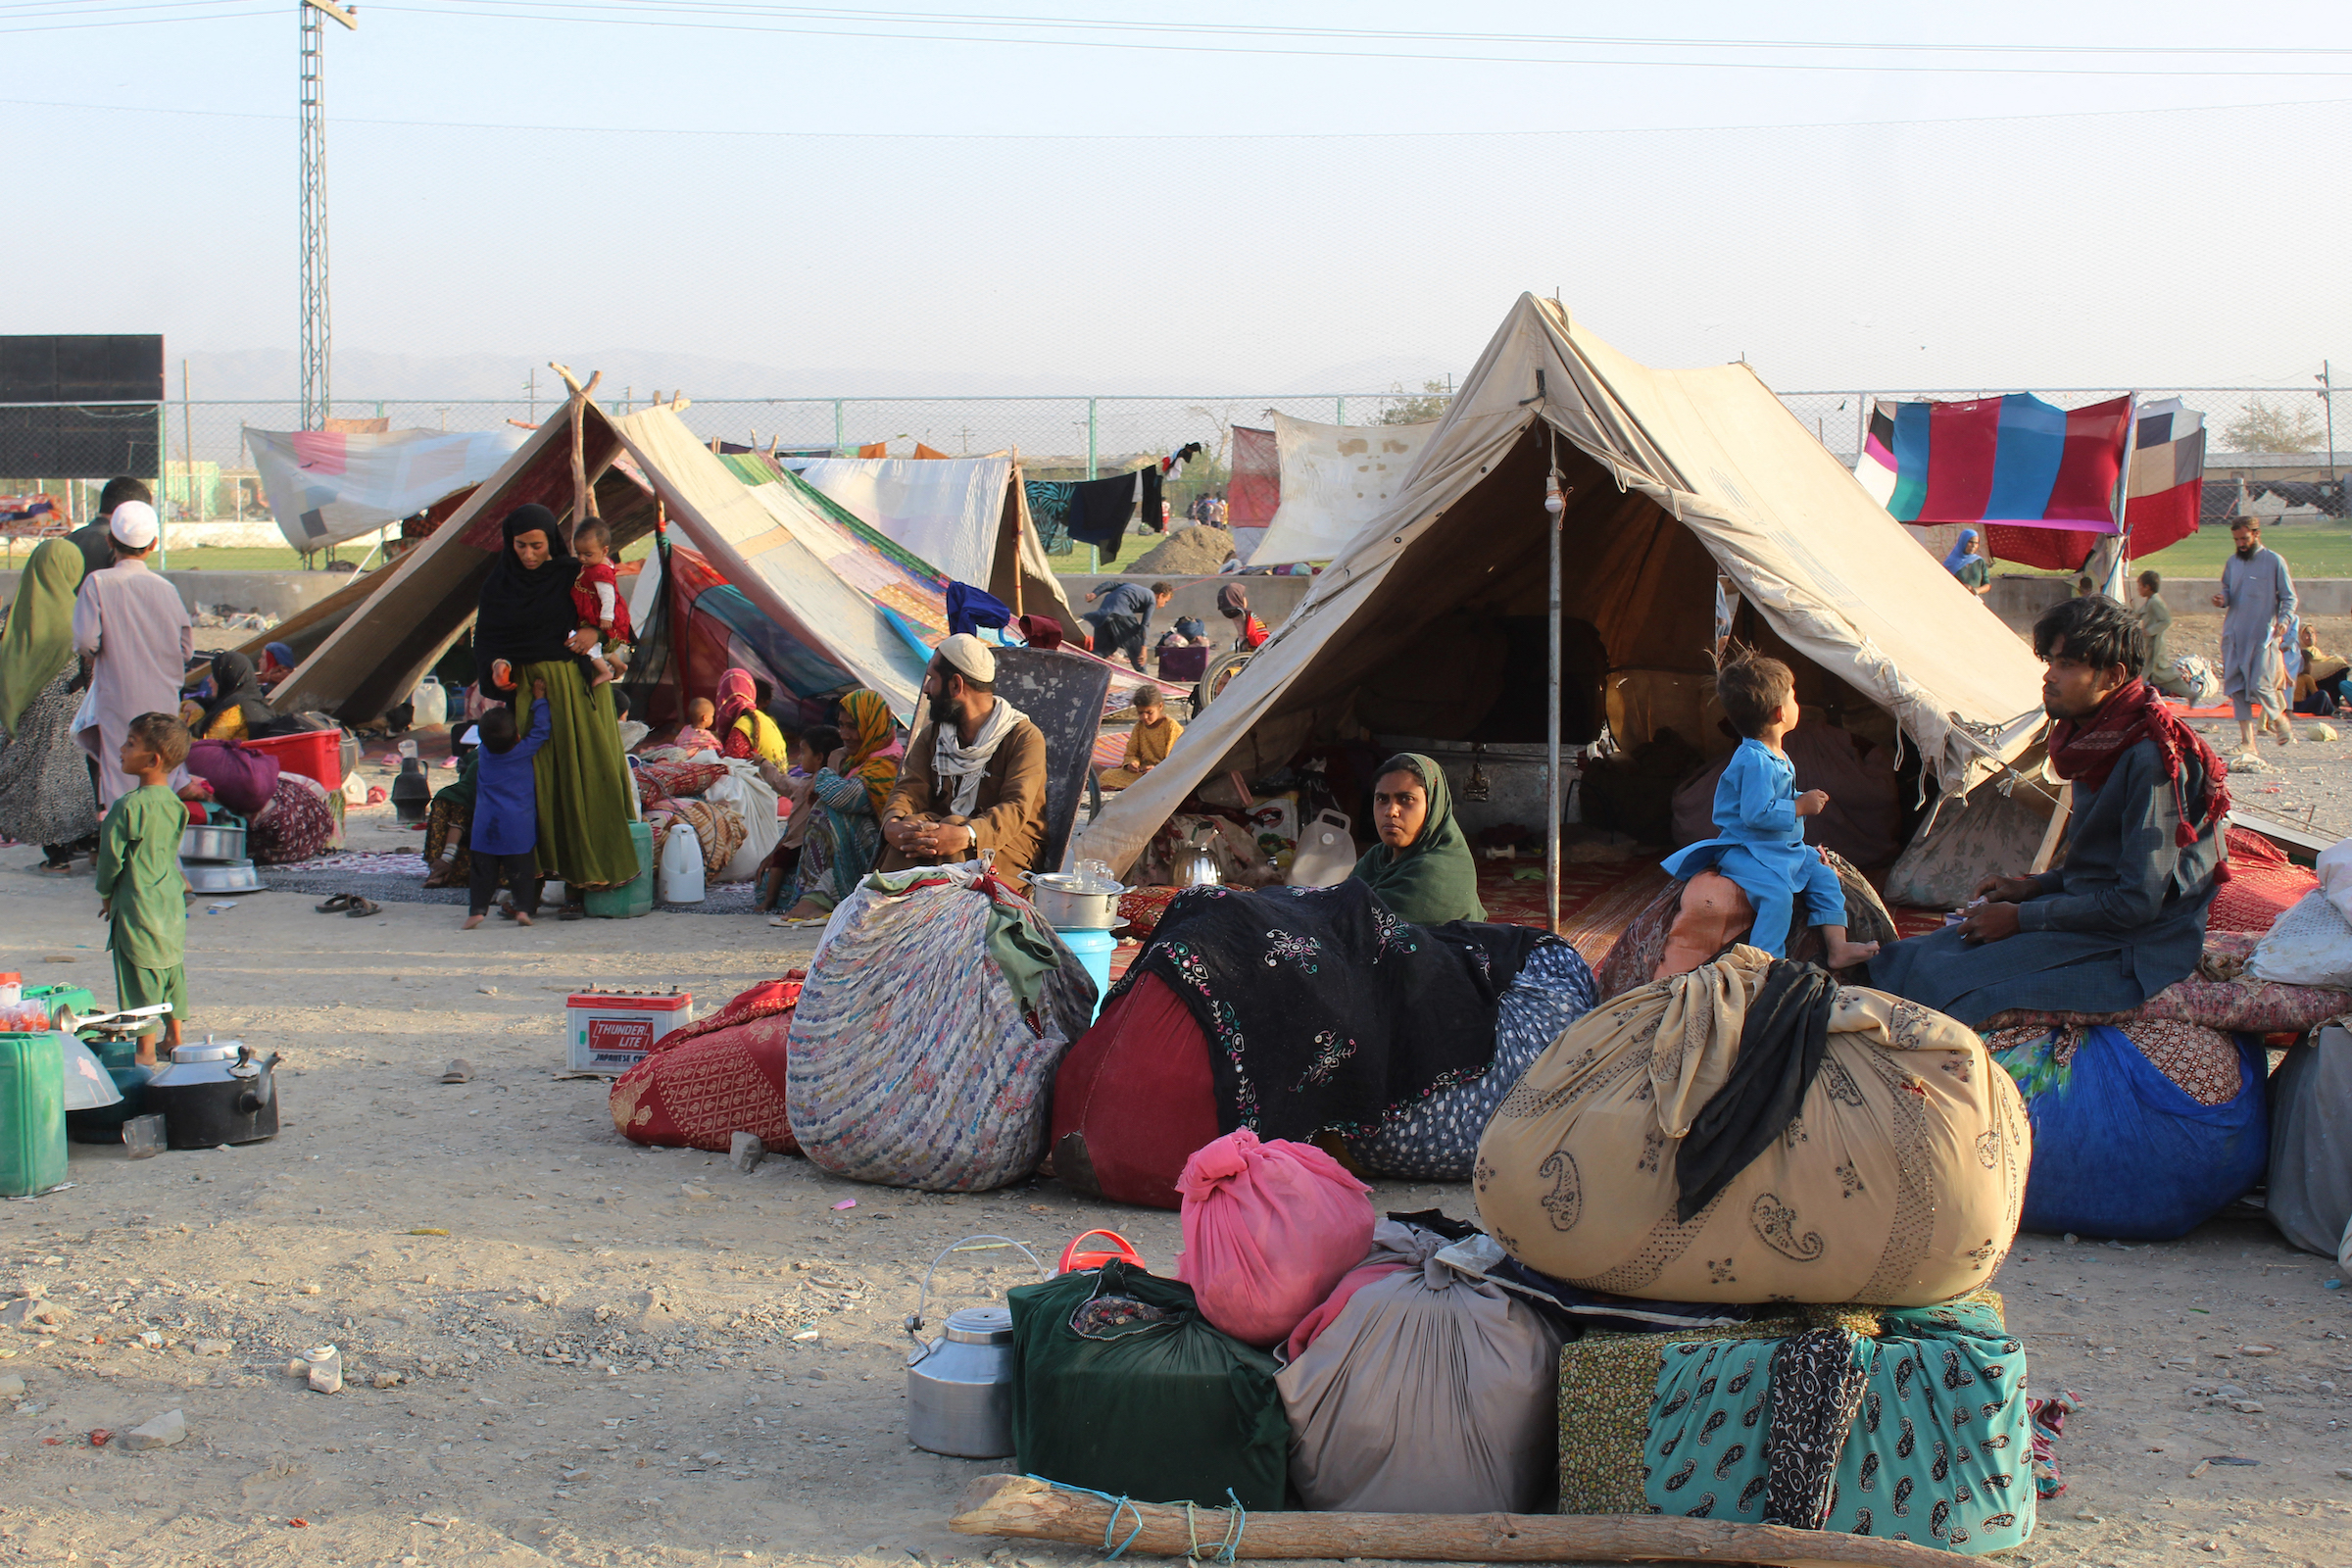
361, 376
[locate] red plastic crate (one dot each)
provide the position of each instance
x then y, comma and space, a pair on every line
315, 754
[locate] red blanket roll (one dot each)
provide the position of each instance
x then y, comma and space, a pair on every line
1132, 1099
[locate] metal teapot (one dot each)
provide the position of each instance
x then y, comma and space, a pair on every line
960, 1386
1194, 865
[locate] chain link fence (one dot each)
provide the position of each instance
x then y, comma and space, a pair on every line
194, 451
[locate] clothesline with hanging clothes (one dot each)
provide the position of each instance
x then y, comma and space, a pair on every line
1098, 510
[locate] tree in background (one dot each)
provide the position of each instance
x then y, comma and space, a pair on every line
1407, 408
2261, 426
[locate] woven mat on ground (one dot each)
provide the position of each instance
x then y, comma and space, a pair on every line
725, 899
1597, 900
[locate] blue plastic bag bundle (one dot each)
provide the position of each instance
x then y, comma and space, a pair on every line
2123, 1151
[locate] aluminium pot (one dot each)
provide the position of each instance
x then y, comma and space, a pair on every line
216, 1092
213, 841
1060, 902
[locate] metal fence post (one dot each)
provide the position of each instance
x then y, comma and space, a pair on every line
1340, 411
837, 427
1094, 555
162, 488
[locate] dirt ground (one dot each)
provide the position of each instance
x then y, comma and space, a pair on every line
620, 1355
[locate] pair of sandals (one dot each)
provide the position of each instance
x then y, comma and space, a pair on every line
352, 905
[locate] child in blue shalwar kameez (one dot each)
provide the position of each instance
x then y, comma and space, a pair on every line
1759, 818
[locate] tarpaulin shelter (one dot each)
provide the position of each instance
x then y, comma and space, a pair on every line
1335, 478
636, 464
967, 516
329, 485
1668, 478
711, 621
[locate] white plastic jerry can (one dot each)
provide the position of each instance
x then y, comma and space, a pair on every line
680, 876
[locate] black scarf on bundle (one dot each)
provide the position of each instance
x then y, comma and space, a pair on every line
525, 615
1782, 1038
1323, 1010
236, 685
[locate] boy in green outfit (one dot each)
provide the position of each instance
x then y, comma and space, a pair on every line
142, 894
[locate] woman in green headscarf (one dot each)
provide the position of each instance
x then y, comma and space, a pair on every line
1422, 867
46, 796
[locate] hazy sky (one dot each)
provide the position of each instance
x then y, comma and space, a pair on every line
1227, 207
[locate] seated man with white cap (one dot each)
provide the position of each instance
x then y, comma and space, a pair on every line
974, 777
132, 625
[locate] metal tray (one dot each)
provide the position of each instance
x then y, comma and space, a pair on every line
238, 877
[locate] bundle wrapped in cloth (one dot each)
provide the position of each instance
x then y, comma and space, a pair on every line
923, 1052
1752, 1131
1910, 1425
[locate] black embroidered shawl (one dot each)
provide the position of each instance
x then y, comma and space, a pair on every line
1323, 1010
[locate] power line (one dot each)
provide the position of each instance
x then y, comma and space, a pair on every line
1178, 38
491, 9
1207, 136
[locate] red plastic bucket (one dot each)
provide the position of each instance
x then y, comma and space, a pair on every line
313, 754
1076, 1259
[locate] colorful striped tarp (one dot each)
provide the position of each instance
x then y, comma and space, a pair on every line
2040, 478
2015, 460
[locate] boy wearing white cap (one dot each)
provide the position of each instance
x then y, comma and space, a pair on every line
974, 777
132, 625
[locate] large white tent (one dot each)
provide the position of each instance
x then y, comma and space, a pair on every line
1669, 478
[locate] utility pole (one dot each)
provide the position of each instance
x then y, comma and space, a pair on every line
317, 338
2327, 400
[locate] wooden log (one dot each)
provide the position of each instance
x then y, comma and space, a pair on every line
1038, 1510
583, 496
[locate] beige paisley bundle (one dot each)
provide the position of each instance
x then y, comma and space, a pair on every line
1899, 1183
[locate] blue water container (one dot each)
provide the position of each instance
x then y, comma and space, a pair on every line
1094, 948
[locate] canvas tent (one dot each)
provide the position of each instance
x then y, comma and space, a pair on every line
967, 516
1420, 624
636, 463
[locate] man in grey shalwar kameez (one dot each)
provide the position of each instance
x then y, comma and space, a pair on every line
2260, 598
2124, 916
132, 626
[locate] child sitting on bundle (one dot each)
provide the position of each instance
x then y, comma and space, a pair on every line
695, 734
596, 595
1759, 821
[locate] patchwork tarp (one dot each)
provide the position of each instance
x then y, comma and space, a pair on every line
1334, 480
325, 486
1671, 477
968, 517
427, 603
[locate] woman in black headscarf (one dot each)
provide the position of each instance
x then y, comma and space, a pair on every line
237, 709
526, 629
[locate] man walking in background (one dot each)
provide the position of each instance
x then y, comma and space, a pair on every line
131, 626
97, 554
2259, 597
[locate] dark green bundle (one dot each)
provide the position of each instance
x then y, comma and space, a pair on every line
1161, 1411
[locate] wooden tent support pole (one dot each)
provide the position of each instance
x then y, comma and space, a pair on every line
1038, 1510
583, 498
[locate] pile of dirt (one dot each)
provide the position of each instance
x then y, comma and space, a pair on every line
1196, 551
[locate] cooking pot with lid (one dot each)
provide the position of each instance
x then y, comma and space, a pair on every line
216, 1092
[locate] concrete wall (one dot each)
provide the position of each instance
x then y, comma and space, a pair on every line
2020, 601
272, 593
1271, 599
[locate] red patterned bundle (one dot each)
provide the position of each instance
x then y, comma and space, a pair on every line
704, 1082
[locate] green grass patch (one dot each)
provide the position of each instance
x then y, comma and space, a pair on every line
2311, 551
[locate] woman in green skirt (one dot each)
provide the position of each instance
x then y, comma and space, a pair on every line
528, 629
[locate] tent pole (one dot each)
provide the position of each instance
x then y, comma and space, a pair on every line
1554, 512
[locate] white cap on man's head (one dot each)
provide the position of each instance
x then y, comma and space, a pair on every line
133, 524
970, 657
